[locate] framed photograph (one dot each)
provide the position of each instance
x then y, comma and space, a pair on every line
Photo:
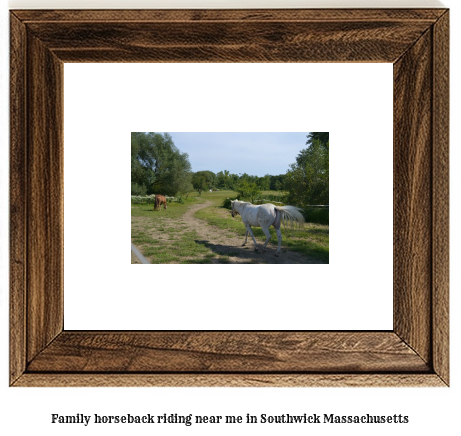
415, 352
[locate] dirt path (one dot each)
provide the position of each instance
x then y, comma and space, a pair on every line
224, 242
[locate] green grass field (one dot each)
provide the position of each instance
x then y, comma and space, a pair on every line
175, 210
164, 237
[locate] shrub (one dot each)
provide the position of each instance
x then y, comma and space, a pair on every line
140, 199
227, 203
137, 189
317, 215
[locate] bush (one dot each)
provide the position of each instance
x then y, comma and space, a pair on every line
317, 215
227, 203
137, 189
140, 199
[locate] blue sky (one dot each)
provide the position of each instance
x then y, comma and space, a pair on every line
252, 153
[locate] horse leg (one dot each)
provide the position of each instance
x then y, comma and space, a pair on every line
251, 233
246, 237
279, 239
268, 236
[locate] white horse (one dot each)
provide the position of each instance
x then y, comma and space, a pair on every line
264, 216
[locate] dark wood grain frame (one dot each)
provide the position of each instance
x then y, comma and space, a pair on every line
414, 353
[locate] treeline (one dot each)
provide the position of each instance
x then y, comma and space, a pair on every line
157, 166
204, 180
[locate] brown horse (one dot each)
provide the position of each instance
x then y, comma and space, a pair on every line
159, 200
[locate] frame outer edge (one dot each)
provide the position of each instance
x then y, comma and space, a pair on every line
229, 380
440, 188
18, 305
18, 195
206, 14
45, 178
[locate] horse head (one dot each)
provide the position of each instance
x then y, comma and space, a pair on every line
234, 210
237, 207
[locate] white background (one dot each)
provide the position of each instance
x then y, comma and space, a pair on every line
105, 102
430, 410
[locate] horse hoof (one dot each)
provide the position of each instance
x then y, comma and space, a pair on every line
276, 255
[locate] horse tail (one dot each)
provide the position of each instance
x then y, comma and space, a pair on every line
290, 215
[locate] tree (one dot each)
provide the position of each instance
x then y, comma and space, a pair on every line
323, 137
142, 175
277, 182
203, 180
264, 182
199, 183
248, 190
307, 180
224, 180
157, 166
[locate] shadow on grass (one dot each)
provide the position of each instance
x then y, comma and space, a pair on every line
247, 254
231, 250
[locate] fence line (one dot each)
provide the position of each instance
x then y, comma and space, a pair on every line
281, 202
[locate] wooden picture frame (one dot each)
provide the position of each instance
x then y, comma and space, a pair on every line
414, 353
